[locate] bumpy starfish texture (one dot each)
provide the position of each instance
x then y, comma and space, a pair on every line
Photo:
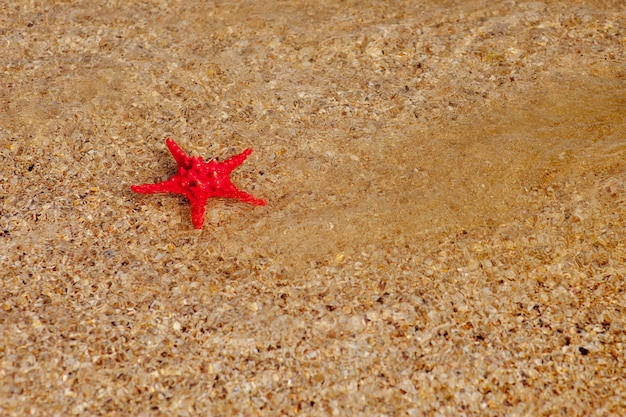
198, 181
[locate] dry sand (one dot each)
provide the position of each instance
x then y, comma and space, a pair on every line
446, 225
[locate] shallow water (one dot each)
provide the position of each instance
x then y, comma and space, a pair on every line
416, 183
446, 217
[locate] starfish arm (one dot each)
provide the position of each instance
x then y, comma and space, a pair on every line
234, 161
197, 212
245, 197
169, 186
182, 159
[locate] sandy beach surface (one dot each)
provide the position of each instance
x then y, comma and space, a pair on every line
445, 232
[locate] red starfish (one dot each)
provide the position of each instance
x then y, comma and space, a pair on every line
198, 181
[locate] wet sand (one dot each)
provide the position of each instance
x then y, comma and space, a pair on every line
444, 233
